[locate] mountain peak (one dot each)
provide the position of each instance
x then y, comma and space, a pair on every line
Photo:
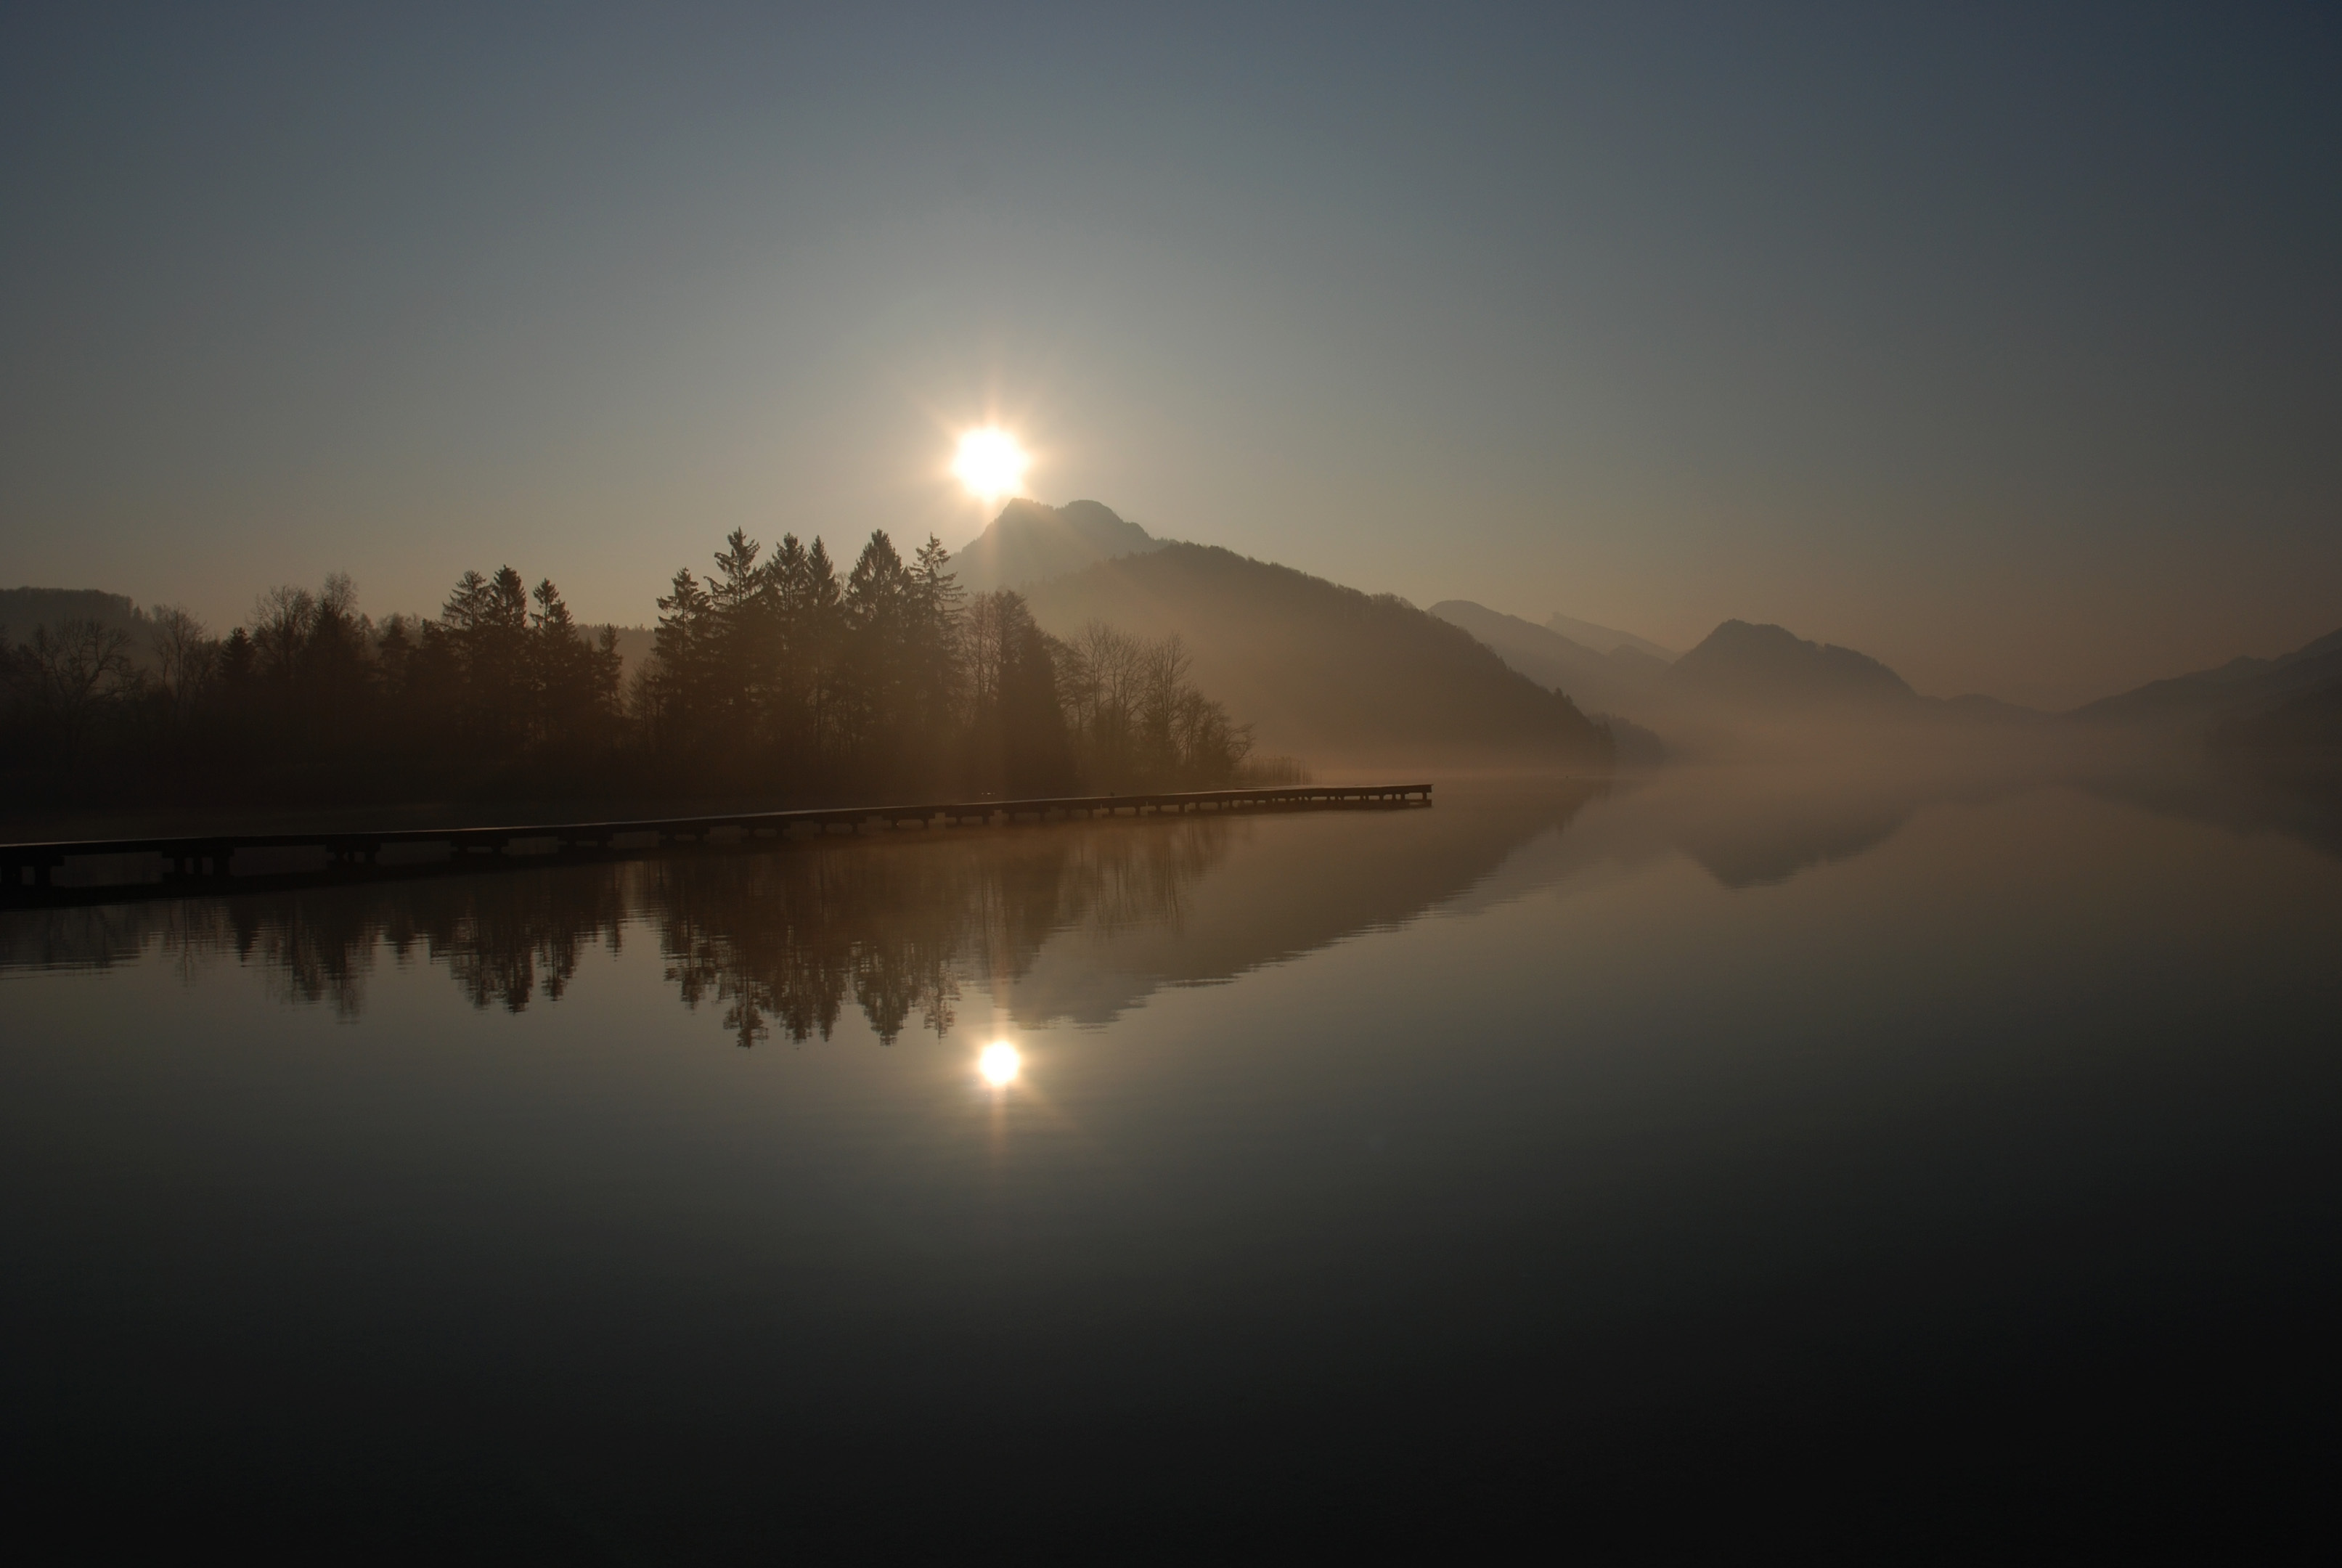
1744, 663
1030, 542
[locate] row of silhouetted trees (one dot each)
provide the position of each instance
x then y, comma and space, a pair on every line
774, 675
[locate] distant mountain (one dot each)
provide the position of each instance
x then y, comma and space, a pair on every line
1741, 678
1623, 681
636, 645
2238, 688
1028, 541
1750, 666
1986, 710
2288, 707
2306, 724
22, 609
1322, 672
1608, 639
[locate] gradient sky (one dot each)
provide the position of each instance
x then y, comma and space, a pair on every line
2004, 346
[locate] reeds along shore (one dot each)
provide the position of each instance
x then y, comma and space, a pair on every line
773, 674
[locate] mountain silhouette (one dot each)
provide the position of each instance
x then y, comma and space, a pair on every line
1751, 667
2307, 724
2240, 691
1028, 541
22, 609
1734, 689
1623, 681
1323, 671
1609, 640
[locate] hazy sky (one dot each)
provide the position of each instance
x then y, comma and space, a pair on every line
2002, 347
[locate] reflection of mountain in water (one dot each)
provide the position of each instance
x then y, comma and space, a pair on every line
2244, 793
1767, 829
1293, 886
1755, 826
1075, 921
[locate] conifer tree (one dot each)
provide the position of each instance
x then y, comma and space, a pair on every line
684, 643
820, 628
739, 602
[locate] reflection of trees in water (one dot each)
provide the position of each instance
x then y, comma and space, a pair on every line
505, 938
782, 941
528, 938
95, 935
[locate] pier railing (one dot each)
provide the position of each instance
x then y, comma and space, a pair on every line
29, 872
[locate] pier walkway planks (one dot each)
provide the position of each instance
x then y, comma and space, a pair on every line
206, 862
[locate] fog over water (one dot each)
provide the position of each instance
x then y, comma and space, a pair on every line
1959, 1143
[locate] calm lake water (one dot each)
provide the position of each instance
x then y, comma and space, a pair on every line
1738, 1152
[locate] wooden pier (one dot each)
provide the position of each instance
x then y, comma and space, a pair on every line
207, 863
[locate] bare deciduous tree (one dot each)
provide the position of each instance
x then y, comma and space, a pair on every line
184, 655
78, 668
1135, 719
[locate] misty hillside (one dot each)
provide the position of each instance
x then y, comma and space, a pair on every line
1750, 666
2310, 722
1323, 671
1029, 542
2237, 688
22, 609
1599, 683
1746, 675
1609, 640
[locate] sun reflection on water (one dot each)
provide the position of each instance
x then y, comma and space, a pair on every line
998, 1063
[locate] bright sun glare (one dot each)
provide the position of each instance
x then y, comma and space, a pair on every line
998, 1063
990, 463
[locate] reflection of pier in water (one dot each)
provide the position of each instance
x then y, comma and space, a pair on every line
145, 866
1075, 924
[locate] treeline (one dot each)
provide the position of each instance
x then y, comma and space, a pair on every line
774, 675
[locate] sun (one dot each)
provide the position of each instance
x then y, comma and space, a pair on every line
990, 463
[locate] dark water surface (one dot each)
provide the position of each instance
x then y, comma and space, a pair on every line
1738, 1157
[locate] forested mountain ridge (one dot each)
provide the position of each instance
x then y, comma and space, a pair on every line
2289, 706
26, 607
23, 610
2236, 687
1324, 672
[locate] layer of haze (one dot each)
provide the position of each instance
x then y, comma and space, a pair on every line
2000, 346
